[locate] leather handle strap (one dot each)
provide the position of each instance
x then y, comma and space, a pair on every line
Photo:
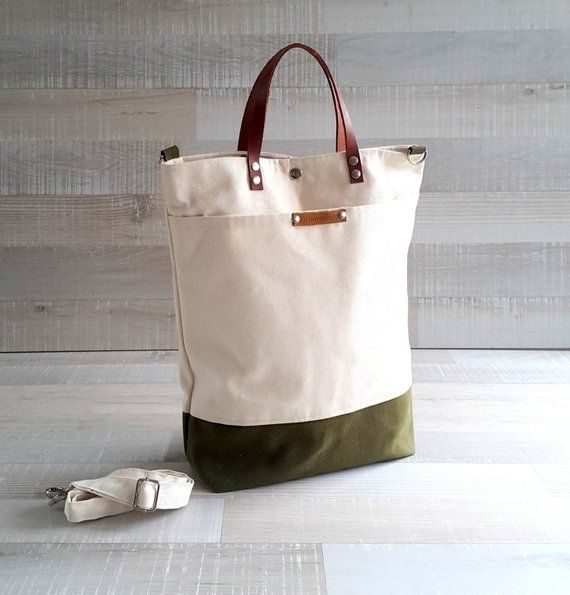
253, 121
261, 87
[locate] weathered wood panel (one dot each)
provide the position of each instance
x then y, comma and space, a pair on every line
182, 61
492, 218
278, 569
227, 61
478, 57
518, 110
97, 114
464, 322
446, 569
113, 18
202, 569
461, 503
90, 93
131, 167
91, 324
478, 270
392, 16
138, 220
499, 322
117, 18
28, 521
466, 366
72, 221
398, 111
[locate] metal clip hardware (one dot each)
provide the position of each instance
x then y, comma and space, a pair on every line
56, 495
416, 150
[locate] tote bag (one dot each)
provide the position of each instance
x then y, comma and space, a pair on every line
290, 289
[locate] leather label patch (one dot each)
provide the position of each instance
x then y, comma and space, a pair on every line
318, 217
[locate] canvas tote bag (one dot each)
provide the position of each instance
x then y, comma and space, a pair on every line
291, 299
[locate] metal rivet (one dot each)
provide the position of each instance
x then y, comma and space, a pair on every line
342, 215
256, 180
355, 174
296, 218
295, 173
255, 166
353, 160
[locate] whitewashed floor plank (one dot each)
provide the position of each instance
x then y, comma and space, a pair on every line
32, 521
440, 446
446, 569
91, 445
96, 367
530, 408
399, 503
92, 405
491, 366
430, 365
556, 479
202, 569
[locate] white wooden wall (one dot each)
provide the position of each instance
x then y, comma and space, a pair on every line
91, 90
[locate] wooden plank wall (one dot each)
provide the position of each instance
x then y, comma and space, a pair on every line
90, 91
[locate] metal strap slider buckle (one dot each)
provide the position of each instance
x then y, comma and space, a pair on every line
138, 489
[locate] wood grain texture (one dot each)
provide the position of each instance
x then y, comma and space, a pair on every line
460, 503
101, 367
161, 367
479, 270
442, 218
184, 61
399, 111
84, 325
116, 18
392, 16
73, 221
95, 324
113, 18
208, 114
456, 509
98, 114
90, 93
180, 61
28, 521
202, 569
497, 323
131, 167
484, 366
446, 569
473, 57
491, 218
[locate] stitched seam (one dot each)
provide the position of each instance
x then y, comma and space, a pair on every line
313, 417
188, 397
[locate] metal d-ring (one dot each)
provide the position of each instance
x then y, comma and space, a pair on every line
416, 150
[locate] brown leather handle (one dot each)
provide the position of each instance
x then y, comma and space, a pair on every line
253, 121
261, 87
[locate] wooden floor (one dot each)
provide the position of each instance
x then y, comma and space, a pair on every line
483, 507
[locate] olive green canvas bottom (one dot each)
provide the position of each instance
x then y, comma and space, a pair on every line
230, 458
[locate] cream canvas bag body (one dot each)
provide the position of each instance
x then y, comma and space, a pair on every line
290, 284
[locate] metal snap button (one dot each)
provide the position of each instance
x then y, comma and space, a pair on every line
295, 173
255, 166
256, 180
353, 160
355, 174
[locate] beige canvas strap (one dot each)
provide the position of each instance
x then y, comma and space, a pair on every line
121, 491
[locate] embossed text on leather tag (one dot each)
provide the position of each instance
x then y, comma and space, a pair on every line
318, 217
